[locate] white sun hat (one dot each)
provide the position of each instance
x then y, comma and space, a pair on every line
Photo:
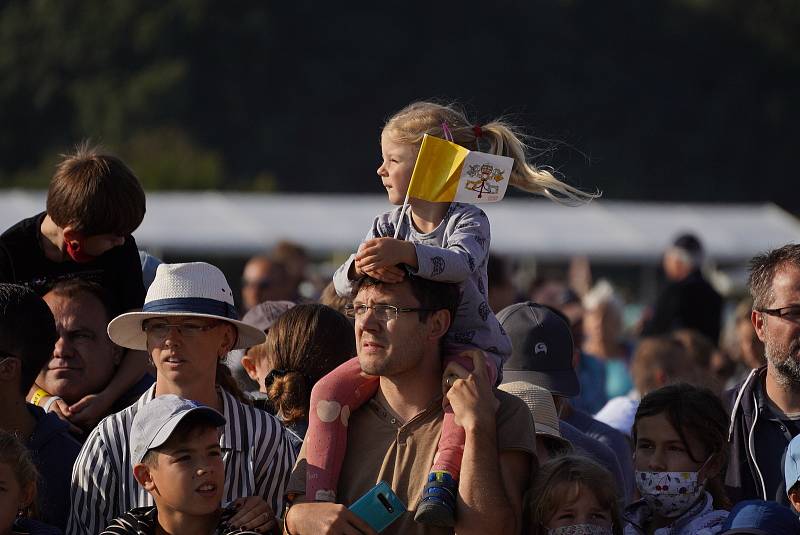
542, 407
195, 289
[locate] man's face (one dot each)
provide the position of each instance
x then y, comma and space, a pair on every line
263, 281
390, 347
781, 336
189, 475
84, 358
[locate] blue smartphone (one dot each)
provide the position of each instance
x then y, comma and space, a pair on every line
379, 507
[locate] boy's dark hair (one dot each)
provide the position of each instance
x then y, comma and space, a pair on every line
697, 411
762, 271
188, 425
95, 193
432, 295
27, 330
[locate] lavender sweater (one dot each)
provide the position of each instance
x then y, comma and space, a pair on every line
456, 251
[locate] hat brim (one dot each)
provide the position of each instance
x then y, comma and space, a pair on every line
215, 418
560, 383
126, 329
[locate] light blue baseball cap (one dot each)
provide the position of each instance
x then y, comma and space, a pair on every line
155, 421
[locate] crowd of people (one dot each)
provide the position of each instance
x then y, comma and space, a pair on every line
421, 392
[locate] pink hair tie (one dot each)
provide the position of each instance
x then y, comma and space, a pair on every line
448, 135
478, 130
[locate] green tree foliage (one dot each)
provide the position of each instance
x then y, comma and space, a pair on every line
658, 100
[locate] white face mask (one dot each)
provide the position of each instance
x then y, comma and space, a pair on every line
669, 494
579, 529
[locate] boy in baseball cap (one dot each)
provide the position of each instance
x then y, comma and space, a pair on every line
791, 472
176, 457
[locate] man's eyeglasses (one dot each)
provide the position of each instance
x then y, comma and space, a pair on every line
381, 312
791, 313
160, 329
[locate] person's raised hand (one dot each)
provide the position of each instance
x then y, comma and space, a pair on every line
253, 513
382, 252
470, 394
325, 519
60, 408
388, 274
89, 410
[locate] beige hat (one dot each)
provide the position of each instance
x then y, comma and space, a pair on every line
195, 289
540, 402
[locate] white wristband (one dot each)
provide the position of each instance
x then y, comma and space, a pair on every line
49, 403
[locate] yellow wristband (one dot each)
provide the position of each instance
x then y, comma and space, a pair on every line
38, 395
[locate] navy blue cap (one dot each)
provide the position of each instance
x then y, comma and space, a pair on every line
758, 517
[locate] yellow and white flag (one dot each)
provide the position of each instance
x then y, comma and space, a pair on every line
446, 172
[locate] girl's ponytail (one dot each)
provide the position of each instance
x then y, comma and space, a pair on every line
505, 141
410, 124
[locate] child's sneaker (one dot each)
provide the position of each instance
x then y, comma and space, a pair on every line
438, 504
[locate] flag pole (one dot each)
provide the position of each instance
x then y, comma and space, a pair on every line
402, 213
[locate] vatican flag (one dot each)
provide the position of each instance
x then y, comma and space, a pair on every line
446, 172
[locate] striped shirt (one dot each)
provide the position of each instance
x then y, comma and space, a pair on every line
257, 454
143, 520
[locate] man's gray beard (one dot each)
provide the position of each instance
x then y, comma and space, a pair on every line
785, 364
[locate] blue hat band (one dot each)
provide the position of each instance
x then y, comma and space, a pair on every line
192, 305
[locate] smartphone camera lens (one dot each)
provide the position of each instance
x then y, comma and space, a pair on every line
385, 502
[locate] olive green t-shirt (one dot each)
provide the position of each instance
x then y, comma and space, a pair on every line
382, 448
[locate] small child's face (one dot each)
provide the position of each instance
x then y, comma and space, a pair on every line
398, 165
12, 496
584, 509
189, 474
659, 448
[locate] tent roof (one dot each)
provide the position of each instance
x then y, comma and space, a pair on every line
615, 231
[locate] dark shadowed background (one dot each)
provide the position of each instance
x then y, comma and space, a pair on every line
691, 100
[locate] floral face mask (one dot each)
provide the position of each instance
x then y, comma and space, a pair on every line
580, 529
669, 494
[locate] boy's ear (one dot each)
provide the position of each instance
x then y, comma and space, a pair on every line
70, 234
249, 365
142, 474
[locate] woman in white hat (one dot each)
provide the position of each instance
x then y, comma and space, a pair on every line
187, 325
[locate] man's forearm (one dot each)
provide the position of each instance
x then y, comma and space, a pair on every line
482, 503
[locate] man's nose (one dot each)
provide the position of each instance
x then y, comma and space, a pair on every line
62, 349
382, 170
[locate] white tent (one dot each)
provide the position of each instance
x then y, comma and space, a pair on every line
606, 231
